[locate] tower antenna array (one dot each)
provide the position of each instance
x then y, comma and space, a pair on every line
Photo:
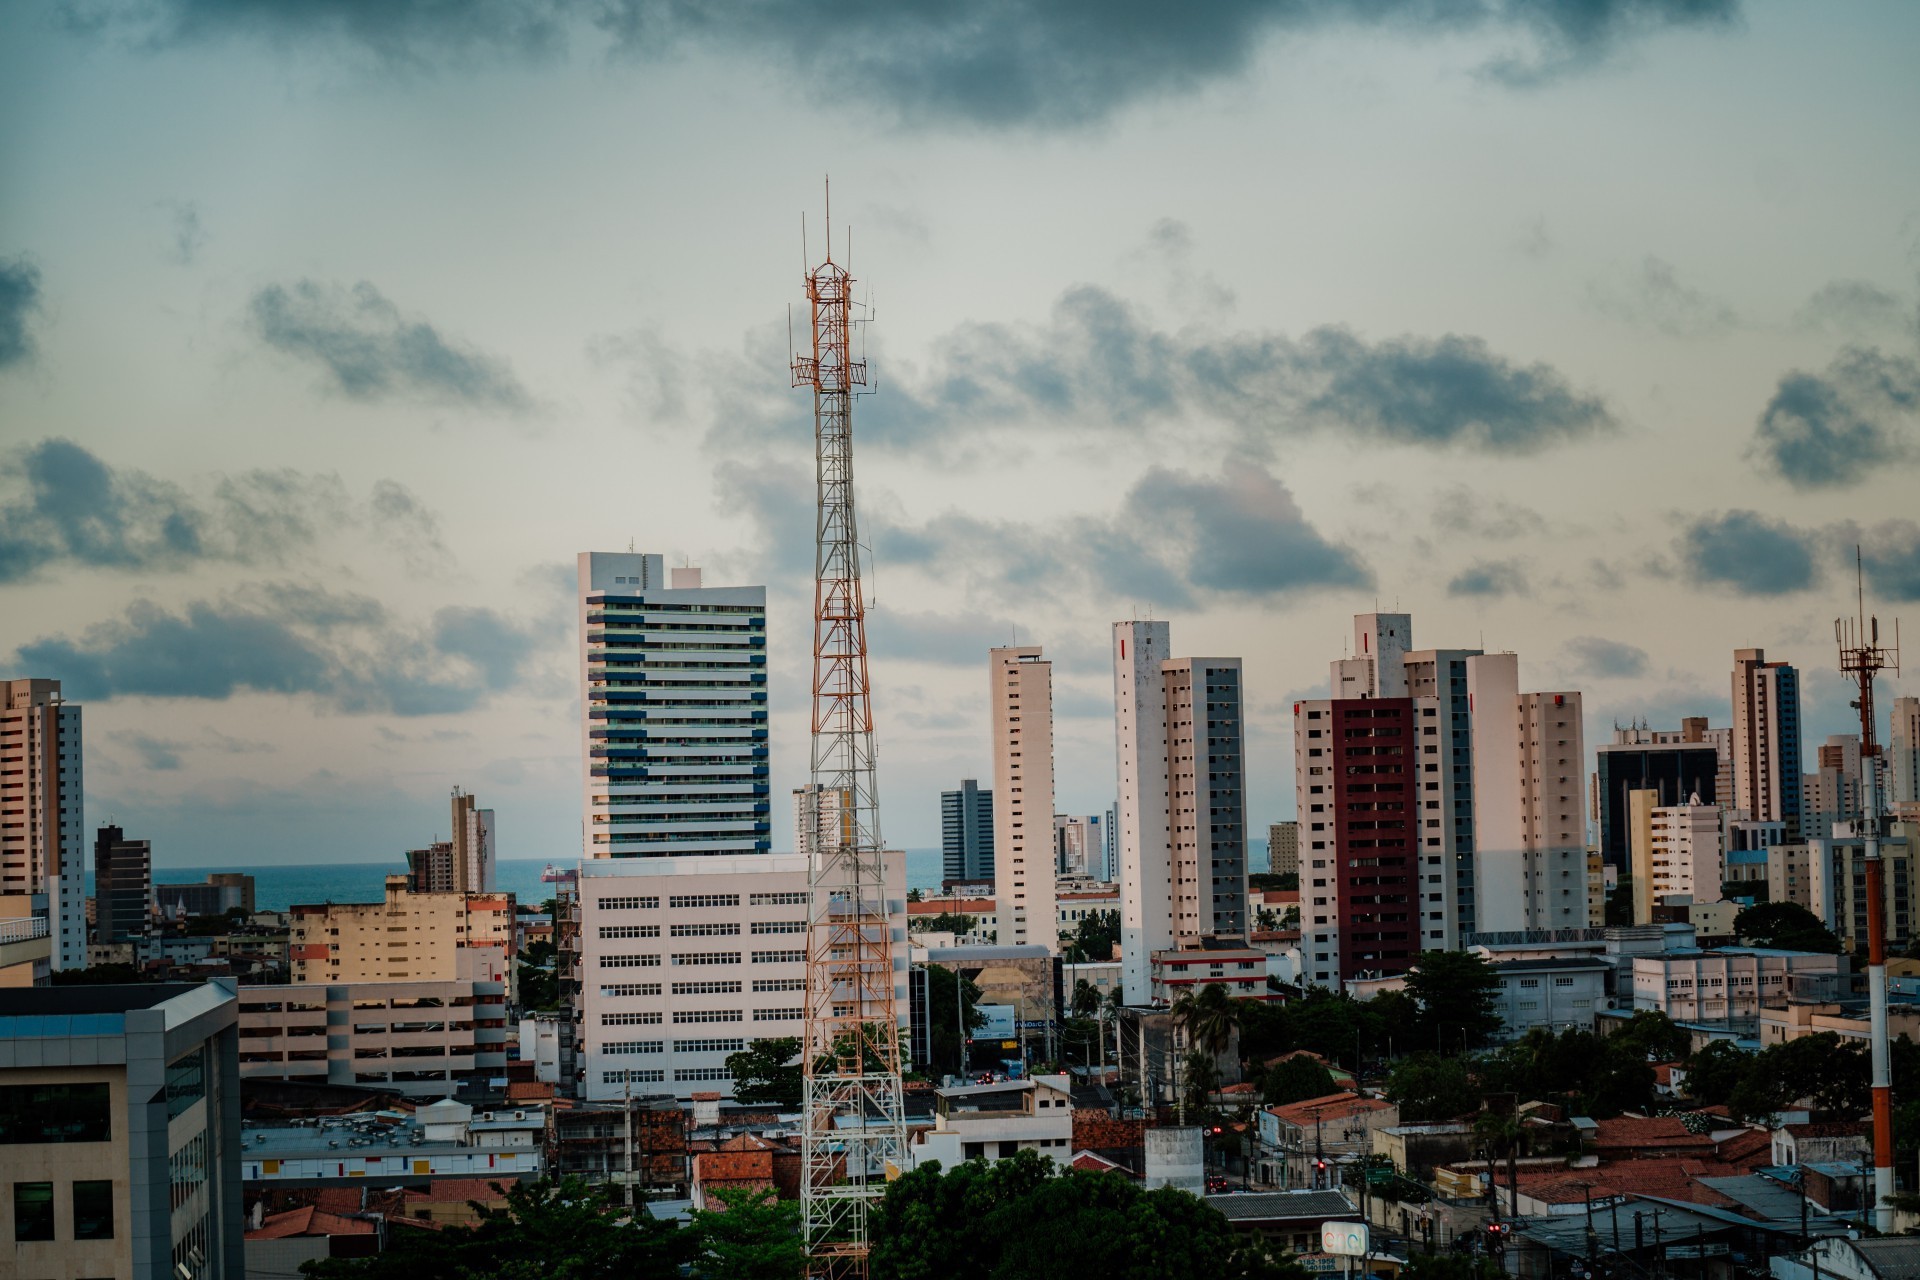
854, 1121
1862, 657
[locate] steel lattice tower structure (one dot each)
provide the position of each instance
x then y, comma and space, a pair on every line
1862, 657
855, 1123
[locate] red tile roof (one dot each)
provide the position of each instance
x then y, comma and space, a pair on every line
309, 1221
461, 1190
1334, 1106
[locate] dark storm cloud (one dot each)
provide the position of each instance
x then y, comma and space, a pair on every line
1890, 553
1597, 656
1176, 536
345, 651
63, 505
1489, 578
370, 351
19, 299
993, 63
1831, 429
1097, 362
1748, 553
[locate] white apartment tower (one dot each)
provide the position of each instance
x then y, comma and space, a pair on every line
1529, 802
1687, 857
820, 819
1140, 757
1377, 668
1903, 756
1179, 753
1020, 691
674, 724
43, 848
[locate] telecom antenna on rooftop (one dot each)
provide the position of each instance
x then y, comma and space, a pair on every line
1862, 657
854, 1127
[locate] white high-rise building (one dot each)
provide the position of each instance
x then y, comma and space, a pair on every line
1140, 759
43, 848
1020, 691
1377, 668
1529, 802
820, 819
1180, 741
1687, 857
1903, 756
678, 874
674, 700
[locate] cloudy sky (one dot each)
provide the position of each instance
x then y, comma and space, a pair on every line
330, 332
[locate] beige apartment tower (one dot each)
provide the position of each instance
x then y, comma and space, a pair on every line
1020, 690
407, 937
43, 847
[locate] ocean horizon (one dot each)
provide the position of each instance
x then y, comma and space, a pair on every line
277, 887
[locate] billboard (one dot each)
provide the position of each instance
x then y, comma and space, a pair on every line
999, 1024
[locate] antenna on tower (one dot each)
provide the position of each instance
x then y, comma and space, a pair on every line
1863, 657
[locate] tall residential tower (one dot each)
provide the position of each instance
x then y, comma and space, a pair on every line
43, 847
1020, 690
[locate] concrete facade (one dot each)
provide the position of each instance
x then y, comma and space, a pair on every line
406, 937
122, 1106
1723, 987
1020, 696
686, 960
1529, 805
1140, 755
1686, 858
1767, 779
43, 847
419, 1038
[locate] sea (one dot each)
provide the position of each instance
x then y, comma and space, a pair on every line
276, 887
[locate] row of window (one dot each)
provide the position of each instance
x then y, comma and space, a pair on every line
33, 1210
679, 1046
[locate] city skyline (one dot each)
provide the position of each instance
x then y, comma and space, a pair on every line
325, 348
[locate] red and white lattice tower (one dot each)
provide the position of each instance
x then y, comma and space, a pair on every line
855, 1122
1863, 657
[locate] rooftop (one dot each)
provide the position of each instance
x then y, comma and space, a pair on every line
1268, 1206
28, 1002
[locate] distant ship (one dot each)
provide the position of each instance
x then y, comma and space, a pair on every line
559, 875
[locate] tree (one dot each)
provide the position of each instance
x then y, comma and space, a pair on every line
1295, 1080
767, 1071
1209, 1019
1022, 1218
1457, 992
1427, 1086
1785, 925
1086, 999
753, 1236
1093, 939
536, 983
1200, 1078
547, 1231
1715, 1071
947, 1049
1653, 1036
946, 922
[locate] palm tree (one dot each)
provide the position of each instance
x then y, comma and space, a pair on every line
1086, 999
1209, 1019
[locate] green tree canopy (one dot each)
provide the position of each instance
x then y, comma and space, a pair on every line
947, 994
547, 1231
1427, 1086
1295, 1080
1209, 1018
1785, 925
1023, 1219
1093, 939
767, 1071
1456, 991
755, 1236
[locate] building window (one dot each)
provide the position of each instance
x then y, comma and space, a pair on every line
33, 1211
93, 1210
35, 1113
186, 1082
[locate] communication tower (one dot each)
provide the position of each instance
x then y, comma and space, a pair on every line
855, 1122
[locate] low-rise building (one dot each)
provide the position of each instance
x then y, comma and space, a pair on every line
1230, 962
427, 1039
120, 1131
1302, 1144
993, 1121
642, 1141
406, 937
445, 1139
1722, 987
1553, 993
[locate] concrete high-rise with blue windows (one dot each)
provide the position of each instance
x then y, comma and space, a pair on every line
674, 711
1767, 764
966, 834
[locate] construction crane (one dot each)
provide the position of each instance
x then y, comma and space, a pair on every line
854, 1127
1862, 657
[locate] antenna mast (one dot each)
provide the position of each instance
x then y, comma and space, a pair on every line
1862, 657
854, 1119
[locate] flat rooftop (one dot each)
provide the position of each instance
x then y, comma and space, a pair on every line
36, 1002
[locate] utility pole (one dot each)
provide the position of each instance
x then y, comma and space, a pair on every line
627, 1115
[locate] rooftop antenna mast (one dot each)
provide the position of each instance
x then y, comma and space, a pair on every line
854, 1125
1862, 657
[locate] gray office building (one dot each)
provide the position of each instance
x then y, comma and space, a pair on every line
966, 834
120, 1130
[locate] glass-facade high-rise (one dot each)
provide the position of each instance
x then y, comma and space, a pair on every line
674, 676
966, 833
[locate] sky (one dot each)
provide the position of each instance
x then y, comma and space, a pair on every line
331, 332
